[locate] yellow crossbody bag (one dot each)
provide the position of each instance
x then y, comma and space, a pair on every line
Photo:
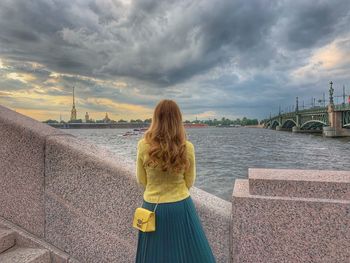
144, 219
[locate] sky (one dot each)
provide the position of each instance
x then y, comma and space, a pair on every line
222, 58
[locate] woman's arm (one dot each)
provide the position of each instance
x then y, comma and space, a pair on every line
190, 174
141, 176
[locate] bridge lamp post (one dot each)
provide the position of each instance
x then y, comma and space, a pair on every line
297, 115
331, 92
324, 99
330, 107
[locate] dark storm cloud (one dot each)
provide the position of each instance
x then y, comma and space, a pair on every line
147, 41
162, 42
193, 38
310, 23
225, 51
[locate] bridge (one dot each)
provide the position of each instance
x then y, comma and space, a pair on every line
331, 120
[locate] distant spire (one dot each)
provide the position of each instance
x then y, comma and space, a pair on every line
73, 98
73, 115
87, 117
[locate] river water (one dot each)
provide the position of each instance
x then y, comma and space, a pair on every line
224, 154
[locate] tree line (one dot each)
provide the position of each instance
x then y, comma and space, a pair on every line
225, 121
215, 122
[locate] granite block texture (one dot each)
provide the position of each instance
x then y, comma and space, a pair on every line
83, 238
25, 239
87, 179
25, 255
7, 239
300, 183
22, 142
287, 228
215, 215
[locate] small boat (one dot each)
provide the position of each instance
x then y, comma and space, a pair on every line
135, 131
130, 133
141, 129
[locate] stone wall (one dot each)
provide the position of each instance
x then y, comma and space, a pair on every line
282, 215
22, 162
80, 197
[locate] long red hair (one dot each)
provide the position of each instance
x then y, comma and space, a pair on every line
167, 138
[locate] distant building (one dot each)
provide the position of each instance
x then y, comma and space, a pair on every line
106, 119
73, 115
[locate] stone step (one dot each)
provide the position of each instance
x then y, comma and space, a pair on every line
25, 255
7, 239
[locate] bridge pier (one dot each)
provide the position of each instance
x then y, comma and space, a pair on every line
296, 129
336, 124
334, 132
280, 128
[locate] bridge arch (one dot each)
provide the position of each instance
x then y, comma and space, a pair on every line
274, 124
289, 123
313, 125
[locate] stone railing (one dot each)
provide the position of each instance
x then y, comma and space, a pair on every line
282, 215
81, 198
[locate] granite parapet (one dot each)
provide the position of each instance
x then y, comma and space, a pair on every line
328, 184
293, 225
22, 143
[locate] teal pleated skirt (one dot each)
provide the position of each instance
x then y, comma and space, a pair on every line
179, 236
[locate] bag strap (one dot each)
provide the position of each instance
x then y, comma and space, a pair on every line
154, 210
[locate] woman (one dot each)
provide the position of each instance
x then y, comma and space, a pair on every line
166, 169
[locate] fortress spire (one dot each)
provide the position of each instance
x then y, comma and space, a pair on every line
73, 98
73, 115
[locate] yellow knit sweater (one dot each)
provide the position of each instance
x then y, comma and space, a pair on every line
171, 187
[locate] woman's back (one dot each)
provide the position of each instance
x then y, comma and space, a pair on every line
170, 186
